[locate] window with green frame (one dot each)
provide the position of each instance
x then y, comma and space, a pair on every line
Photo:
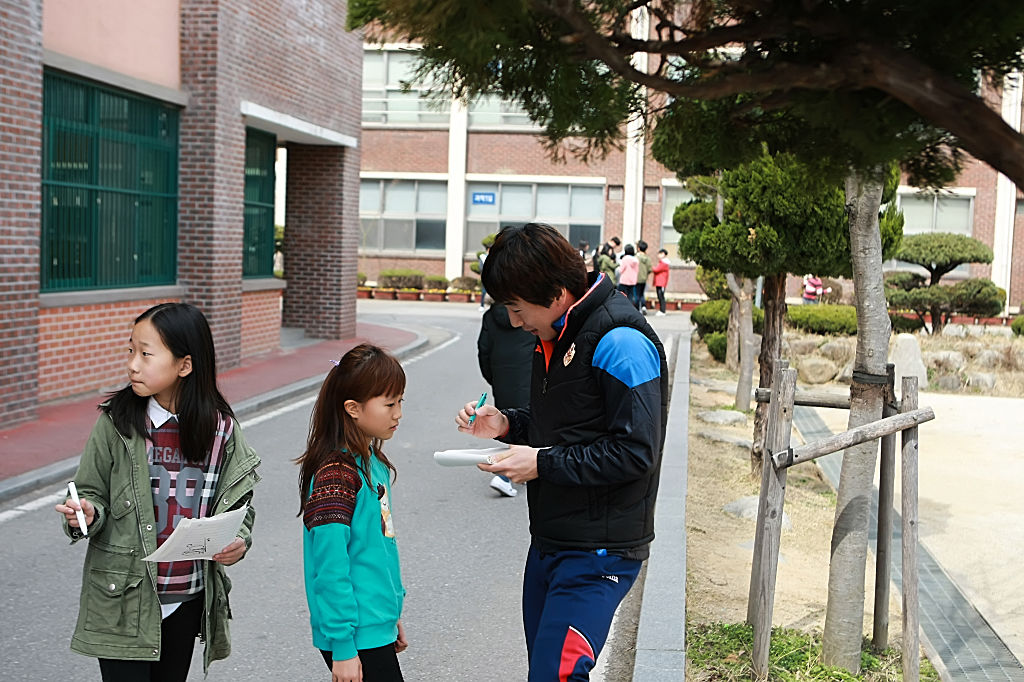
258, 249
110, 188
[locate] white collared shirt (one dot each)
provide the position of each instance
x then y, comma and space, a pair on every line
157, 414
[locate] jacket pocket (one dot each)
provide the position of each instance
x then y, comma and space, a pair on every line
122, 502
220, 611
113, 602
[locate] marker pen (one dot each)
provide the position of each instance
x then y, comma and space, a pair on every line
483, 399
78, 512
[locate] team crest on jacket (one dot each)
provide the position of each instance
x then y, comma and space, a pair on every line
569, 355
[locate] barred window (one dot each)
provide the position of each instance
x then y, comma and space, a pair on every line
258, 240
109, 186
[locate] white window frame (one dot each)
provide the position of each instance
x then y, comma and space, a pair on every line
961, 272
512, 119
381, 215
426, 106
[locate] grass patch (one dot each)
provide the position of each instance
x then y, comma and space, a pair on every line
721, 651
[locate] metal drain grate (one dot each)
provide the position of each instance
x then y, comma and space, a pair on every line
968, 646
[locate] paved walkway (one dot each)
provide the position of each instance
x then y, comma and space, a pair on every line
969, 585
51, 443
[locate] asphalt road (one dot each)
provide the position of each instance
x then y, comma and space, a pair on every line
462, 545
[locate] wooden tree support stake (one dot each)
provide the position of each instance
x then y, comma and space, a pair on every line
883, 547
769, 517
911, 622
808, 399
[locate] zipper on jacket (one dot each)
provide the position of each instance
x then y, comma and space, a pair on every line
544, 386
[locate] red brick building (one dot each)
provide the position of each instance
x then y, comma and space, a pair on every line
137, 162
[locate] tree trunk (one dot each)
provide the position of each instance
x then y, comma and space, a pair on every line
743, 291
732, 333
771, 346
844, 615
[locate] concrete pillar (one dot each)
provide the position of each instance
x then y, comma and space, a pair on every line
1006, 194
633, 200
211, 184
321, 240
21, 101
455, 234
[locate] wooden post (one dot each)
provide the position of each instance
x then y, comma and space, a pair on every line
770, 517
883, 548
752, 604
911, 623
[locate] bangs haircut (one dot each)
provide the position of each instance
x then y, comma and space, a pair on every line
533, 263
364, 373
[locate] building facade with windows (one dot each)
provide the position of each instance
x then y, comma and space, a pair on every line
439, 176
139, 167
485, 164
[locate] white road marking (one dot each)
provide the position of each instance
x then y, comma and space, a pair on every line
54, 498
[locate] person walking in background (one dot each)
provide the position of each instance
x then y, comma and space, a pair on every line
629, 268
506, 360
584, 250
605, 262
813, 289
661, 271
646, 267
483, 290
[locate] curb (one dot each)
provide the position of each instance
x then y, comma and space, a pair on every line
66, 468
661, 633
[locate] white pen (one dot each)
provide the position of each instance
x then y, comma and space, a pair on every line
78, 512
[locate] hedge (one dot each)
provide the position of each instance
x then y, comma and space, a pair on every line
436, 281
713, 316
466, 283
905, 325
400, 279
717, 344
1018, 326
840, 320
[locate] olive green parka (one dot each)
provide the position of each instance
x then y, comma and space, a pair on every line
119, 614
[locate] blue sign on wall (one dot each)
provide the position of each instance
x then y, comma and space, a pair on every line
485, 198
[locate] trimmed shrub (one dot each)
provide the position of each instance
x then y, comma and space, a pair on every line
360, 278
712, 283
401, 279
904, 325
840, 320
834, 297
713, 316
717, 344
436, 282
466, 283
1018, 325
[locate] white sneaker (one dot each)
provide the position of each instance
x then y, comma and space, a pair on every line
483, 308
659, 314
504, 487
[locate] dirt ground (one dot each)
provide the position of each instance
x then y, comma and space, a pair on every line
719, 546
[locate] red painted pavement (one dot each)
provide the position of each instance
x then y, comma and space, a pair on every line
62, 429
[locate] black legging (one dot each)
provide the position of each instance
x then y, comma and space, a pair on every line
379, 664
178, 633
661, 297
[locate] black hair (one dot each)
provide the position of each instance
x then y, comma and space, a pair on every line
616, 241
184, 330
533, 263
641, 245
664, 251
629, 251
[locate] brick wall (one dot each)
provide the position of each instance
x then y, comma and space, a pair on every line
261, 321
21, 90
321, 240
82, 348
981, 176
371, 266
405, 151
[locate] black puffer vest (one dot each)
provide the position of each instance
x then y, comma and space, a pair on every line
568, 408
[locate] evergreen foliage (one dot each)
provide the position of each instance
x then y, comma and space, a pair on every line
942, 252
712, 283
717, 345
1018, 325
713, 316
837, 320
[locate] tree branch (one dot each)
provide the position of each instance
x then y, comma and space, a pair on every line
716, 37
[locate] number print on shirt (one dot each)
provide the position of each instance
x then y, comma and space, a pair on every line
186, 496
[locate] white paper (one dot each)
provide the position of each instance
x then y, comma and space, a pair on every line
200, 538
466, 458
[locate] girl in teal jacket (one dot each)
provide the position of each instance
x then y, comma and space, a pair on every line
353, 583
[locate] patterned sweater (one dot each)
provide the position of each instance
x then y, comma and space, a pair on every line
353, 582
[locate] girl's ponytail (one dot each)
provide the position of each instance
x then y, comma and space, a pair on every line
365, 372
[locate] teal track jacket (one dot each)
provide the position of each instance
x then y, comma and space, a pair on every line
353, 583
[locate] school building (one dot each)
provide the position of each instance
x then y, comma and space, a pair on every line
137, 151
436, 179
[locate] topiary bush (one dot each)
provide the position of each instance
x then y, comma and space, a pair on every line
400, 279
840, 320
360, 278
904, 325
466, 283
717, 345
713, 316
436, 282
1018, 325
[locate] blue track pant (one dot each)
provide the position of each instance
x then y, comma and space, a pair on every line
569, 599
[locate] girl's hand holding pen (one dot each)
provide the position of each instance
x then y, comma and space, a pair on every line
489, 422
69, 508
